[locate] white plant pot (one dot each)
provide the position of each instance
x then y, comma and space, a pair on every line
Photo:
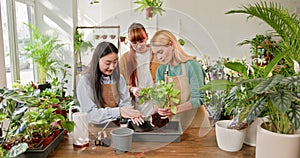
251, 132
229, 139
275, 145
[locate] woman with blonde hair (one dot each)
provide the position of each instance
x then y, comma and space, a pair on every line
187, 74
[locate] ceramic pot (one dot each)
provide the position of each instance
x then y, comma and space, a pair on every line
276, 145
250, 138
229, 139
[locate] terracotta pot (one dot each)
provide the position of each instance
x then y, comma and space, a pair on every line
149, 12
47, 141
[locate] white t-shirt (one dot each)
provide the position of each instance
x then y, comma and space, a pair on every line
144, 80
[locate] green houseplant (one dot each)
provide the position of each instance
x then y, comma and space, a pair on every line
42, 50
278, 95
152, 7
164, 95
79, 47
29, 115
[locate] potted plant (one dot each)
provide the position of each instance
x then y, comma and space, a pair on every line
164, 95
278, 94
152, 7
260, 48
28, 117
79, 47
234, 99
42, 50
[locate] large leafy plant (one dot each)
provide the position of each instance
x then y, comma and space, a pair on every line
280, 96
162, 94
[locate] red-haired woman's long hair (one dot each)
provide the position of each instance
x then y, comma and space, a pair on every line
136, 33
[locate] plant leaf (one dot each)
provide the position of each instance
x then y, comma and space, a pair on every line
282, 100
215, 85
267, 84
256, 109
294, 116
238, 67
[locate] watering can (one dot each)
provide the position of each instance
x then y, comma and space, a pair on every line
80, 134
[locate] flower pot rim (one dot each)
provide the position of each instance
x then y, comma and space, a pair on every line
295, 135
227, 121
130, 131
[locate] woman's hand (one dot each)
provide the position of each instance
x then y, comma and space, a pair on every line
133, 114
135, 91
129, 112
164, 112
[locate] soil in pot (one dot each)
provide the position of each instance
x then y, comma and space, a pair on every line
157, 121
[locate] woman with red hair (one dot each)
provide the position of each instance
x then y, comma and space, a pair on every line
139, 66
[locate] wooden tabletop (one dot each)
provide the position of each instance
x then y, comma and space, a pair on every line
191, 145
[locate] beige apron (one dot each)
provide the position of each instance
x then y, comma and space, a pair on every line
110, 95
194, 117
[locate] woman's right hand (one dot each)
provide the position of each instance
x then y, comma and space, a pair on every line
131, 113
135, 91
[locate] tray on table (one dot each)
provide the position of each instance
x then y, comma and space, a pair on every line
170, 133
44, 153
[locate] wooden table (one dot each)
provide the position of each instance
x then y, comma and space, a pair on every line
191, 145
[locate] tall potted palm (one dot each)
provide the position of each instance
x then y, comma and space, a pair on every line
42, 50
278, 95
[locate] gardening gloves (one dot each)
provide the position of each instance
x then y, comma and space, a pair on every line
133, 114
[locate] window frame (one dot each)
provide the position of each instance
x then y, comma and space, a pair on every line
13, 36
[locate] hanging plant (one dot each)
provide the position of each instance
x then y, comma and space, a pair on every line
152, 7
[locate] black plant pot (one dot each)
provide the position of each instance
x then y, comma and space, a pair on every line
44, 86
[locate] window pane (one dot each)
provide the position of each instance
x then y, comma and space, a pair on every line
5, 41
24, 14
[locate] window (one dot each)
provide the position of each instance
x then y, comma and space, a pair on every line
15, 37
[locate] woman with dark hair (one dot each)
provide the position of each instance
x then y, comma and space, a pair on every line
102, 91
138, 66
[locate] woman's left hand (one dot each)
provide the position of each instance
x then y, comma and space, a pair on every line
137, 120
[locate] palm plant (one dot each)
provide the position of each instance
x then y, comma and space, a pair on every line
285, 25
42, 51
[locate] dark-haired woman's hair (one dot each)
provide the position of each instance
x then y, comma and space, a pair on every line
94, 73
136, 32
